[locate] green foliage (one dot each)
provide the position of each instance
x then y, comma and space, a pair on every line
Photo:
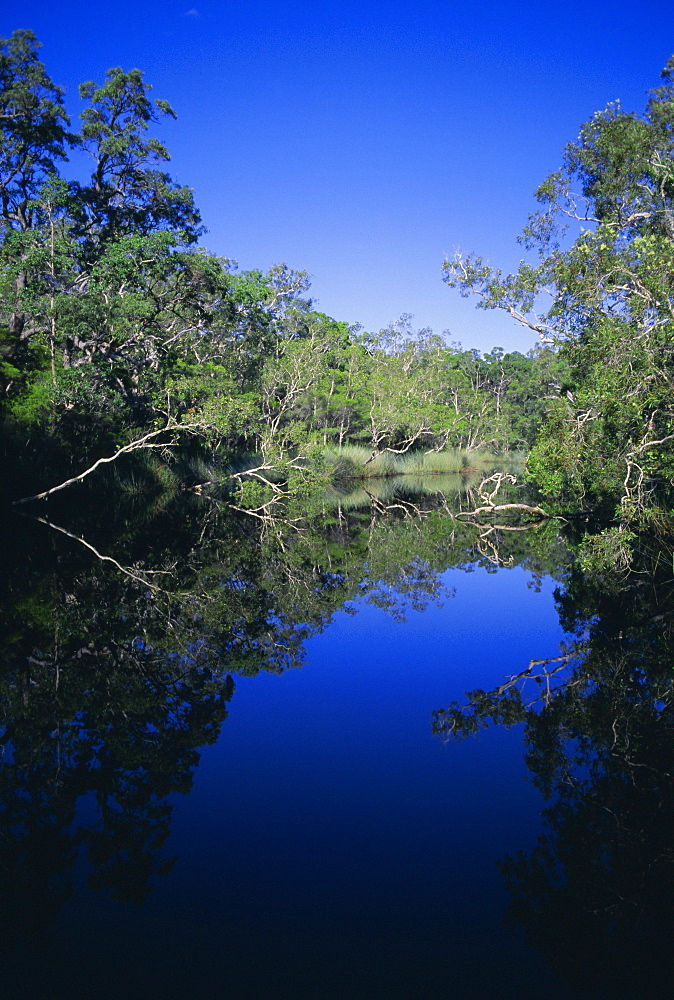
34, 405
116, 324
607, 552
607, 444
34, 134
127, 194
250, 494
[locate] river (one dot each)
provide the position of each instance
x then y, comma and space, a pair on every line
241, 776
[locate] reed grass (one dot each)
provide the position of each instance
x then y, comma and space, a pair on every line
356, 462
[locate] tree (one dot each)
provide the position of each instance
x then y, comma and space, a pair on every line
607, 445
127, 194
34, 137
101, 290
34, 134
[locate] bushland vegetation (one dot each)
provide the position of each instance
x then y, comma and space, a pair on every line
121, 336
120, 333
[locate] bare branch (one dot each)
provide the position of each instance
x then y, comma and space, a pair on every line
99, 555
143, 443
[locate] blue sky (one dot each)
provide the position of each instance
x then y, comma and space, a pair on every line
363, 141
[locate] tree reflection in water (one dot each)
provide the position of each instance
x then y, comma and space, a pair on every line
100, 726
113, 677
597, 892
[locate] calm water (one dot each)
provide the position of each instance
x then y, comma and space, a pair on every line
242, 796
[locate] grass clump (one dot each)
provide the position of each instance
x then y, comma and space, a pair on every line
356, 462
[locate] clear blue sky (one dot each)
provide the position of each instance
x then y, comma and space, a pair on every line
363, 141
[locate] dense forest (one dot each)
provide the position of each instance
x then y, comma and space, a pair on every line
122, 339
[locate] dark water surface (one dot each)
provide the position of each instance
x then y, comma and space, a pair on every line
237, 790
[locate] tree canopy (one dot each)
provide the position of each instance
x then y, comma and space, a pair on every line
603, 238
115, 323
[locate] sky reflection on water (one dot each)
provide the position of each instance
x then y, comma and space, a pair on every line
331, 846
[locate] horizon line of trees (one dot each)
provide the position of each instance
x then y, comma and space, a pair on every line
115, 323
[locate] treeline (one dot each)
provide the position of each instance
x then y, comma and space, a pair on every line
116, 324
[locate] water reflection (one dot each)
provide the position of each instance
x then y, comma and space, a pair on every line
114, 676
117, 671
103, 712
596, 893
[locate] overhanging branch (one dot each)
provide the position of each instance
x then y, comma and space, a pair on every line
143, 443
